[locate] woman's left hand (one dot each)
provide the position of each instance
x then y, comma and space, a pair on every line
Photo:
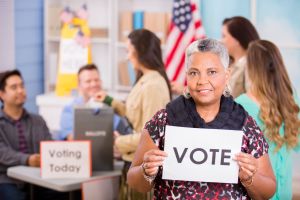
248, 166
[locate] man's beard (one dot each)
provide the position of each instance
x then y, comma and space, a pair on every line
20, 105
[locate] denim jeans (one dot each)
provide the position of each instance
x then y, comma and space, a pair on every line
13, 192
21, 192
41, 193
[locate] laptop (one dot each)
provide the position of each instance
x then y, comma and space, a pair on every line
96, 125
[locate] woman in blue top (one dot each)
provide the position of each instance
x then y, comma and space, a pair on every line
272, 102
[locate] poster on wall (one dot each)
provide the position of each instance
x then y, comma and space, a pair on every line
74, 49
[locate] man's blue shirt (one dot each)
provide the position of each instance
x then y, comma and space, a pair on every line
67, 119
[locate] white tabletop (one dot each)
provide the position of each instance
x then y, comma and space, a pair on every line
32, 175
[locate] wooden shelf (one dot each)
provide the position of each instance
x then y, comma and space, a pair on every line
93, 40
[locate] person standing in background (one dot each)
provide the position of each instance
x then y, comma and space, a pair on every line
274, 105
150, 92
237, 33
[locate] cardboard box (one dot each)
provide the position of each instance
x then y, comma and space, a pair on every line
124, 78
99, 32
125, 25
157, 22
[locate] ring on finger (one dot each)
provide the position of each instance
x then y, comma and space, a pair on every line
247, 179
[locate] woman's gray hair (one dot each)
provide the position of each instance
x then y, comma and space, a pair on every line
208, 45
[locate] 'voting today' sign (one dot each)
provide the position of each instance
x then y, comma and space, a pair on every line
205, 155
62, 159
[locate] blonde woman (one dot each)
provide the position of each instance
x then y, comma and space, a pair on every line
273, 104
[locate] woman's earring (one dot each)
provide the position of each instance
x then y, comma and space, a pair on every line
227, 91
186, 93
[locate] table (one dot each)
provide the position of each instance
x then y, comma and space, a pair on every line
32, 175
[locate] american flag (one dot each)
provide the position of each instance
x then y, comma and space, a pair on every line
185, 27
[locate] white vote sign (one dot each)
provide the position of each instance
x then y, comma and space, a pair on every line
196, 154
62, 159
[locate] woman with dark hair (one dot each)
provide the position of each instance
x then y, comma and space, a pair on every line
203, 106
144, 51
273, 104
150, 92
237, 33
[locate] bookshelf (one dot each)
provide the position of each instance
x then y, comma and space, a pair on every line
107, 22
100, 22
109, 17
132, 14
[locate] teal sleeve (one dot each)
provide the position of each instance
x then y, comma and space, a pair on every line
239, 99
297, 148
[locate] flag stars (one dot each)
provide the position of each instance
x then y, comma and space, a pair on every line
187, 8
182, 27
188, 17
182, 2
182, 11
182, 14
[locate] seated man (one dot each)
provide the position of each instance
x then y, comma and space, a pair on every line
20, 134
89, 83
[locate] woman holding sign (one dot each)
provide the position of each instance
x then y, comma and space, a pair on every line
272, 102
204, 106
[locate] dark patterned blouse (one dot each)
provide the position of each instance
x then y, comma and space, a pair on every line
253, 143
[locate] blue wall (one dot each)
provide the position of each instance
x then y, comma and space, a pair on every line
29, 47
213, 12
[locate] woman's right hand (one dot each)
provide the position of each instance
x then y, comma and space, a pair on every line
152, 160
100, 96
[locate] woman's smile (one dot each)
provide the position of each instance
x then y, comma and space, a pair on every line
203, 91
